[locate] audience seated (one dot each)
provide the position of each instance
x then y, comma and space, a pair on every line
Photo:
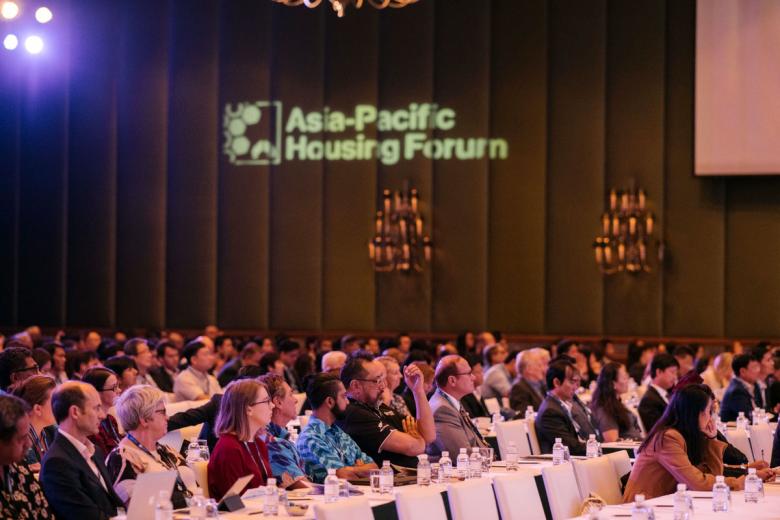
686, 358
322, 444
205, 414
139, 350
125, 369
195, 383
773, 389
21, 496
107, 386
562, 414
74, 478
16, 364
663, 371
743, 391
454, 429
79, 361
168, 360
286, 463
58, 359
249, 356
682, 448
393, 376
288, 353
271, 363
245, 410
611, 416
529, 388
763, 354
473, 403
408, 394
141, 410
380, 432
498, 380
225, 351
718, 375
36, 392
333, 362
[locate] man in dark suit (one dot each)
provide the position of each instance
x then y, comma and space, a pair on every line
529, 388
562, 414
663, 370
740, 396
73, 475
473, 403
168, 358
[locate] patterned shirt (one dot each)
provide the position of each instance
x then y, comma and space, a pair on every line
286, 463
21, 496
323, 448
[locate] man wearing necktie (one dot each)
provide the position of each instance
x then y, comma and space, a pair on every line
454, 429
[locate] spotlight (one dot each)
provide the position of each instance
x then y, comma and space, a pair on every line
9, 10
11, 42
43, 15
33, 44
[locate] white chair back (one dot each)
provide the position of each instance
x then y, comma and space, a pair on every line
563, 494
621, 463
741, 441
491, 403
513, 431
518, 497
419, 503
472, 499
355, 508
598, 476
762, 439
535, 449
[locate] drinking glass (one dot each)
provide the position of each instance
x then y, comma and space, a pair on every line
487, 458
204, 449
373, 477
343, 488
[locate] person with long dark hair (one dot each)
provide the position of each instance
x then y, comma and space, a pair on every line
611, 415
682, 448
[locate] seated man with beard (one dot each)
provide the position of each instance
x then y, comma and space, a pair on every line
323, 445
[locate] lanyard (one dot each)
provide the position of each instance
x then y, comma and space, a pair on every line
261, 464
577, 427
39, 443
165, 459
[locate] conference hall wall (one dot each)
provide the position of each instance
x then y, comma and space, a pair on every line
121, 208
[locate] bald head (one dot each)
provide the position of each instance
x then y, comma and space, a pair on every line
333, 361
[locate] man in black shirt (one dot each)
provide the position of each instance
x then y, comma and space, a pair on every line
380, 432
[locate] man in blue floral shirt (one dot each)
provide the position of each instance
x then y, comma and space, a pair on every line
323, 445
286, 463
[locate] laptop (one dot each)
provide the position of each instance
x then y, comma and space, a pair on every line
145, 492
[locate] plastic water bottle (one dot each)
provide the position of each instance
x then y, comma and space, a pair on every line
331, 486
463, 464
511, 457
641, 511
529, 413
271, 501
475, 464
445, 466
742, 421
721, 495
558, 453
592, 447
754, 486
681, 503
163, 507
423, 470
198, 504
386, 478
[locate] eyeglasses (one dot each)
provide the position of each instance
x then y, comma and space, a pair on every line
377, 381
34, 367
162, 412
114, 388
463, 373
264, 401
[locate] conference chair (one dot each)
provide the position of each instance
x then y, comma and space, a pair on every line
419, 503
741, 440
762, 439
472, 499
354, 509
513, 431
535, 449
563, 494
518, 497
621, 463
598, 476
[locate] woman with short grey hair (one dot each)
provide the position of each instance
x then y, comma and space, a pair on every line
141, 412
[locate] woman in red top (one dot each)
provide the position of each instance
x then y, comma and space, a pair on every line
245, 411
107, 385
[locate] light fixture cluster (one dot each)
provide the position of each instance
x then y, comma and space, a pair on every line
18, 28
340, 5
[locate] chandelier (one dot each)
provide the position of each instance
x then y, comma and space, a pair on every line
626, 242
399, 243
339, 5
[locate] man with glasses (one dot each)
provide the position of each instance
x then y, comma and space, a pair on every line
380, 435
562, 414
454, 429
16, 364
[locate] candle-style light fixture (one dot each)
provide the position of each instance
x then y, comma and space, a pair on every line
339, 6
626, 242
399, 242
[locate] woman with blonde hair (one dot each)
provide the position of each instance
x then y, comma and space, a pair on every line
244, 412
141, 411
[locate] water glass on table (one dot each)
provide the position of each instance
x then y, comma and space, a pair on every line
373, 479
204, 449
487, 458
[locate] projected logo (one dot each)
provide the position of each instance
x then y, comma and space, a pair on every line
253, 132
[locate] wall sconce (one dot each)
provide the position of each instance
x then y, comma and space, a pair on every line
626, 242
399, 243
